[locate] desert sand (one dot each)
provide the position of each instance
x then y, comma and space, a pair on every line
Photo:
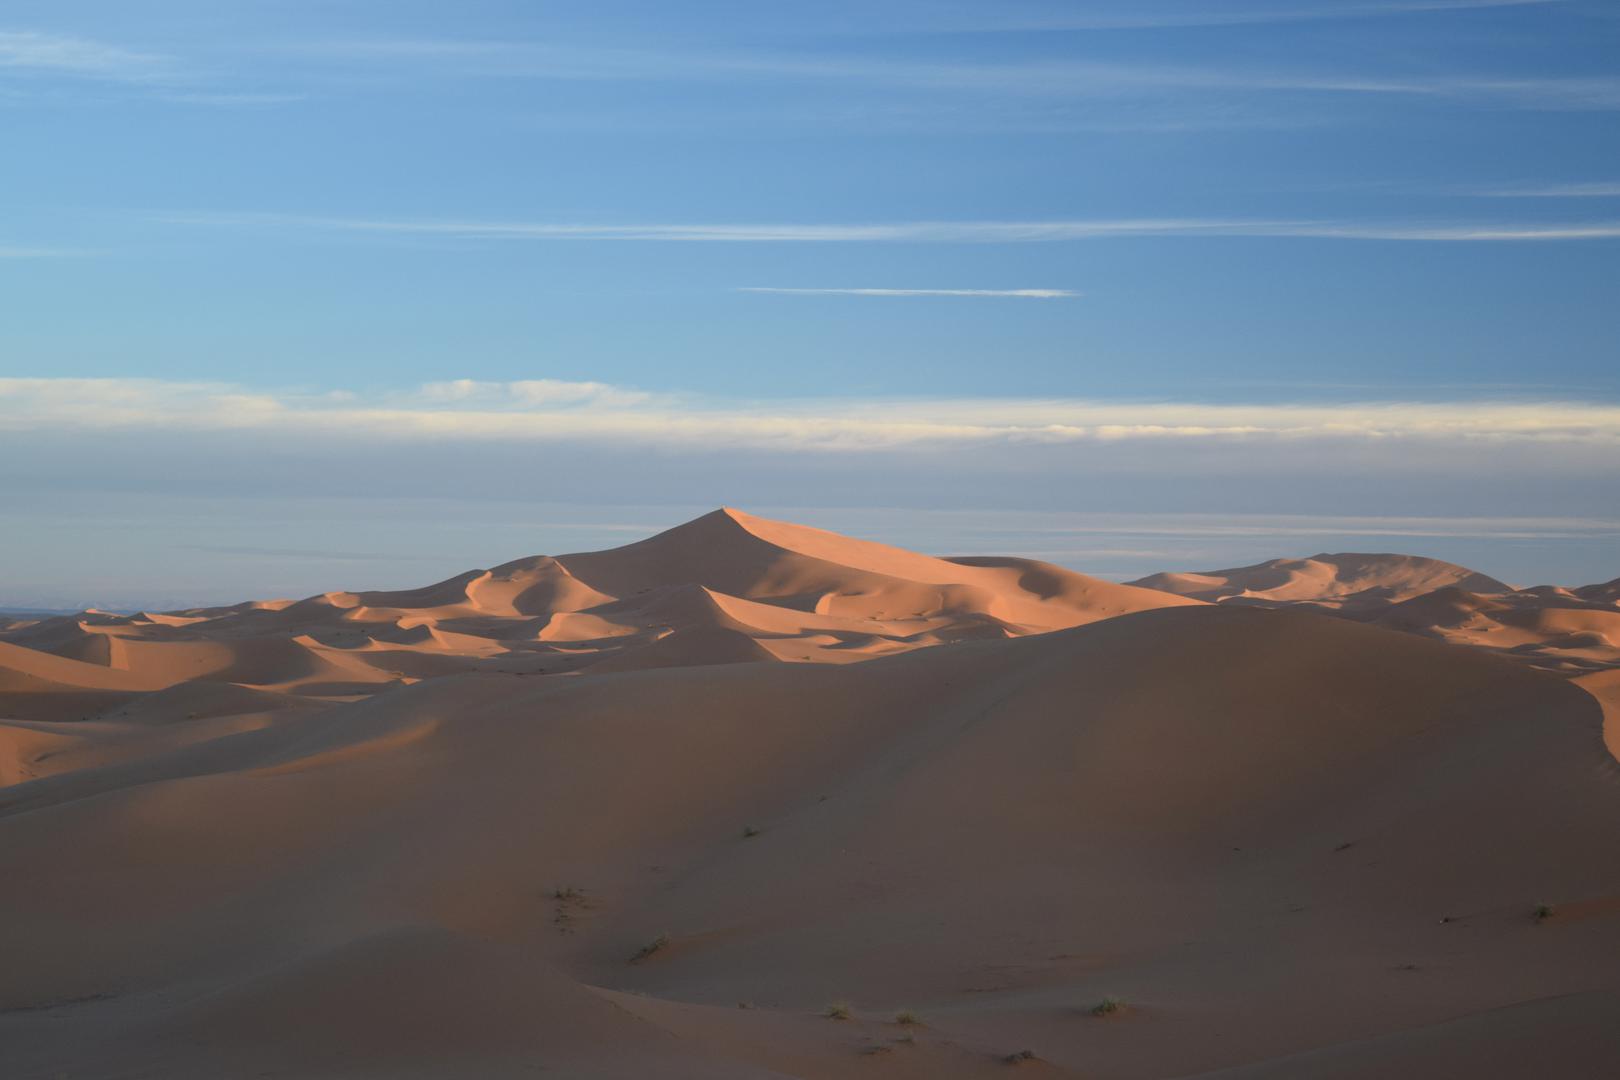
1572, 631
753, 800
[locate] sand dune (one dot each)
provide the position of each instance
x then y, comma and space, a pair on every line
1565, 630
646, 788
1348, 581
1606, 593
801, 594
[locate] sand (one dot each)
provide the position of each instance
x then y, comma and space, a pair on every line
1571, 631
640, 813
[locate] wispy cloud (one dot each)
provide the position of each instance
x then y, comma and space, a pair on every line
957, 232
29, 51
1035, 294
556, 410
1600, 230
1595, 190
36, 253
1208, 15
227, 99
1077, 79
55, 67
1309, 525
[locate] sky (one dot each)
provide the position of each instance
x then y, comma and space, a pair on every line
363, 293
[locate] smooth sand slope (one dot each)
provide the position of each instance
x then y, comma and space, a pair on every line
1287, 844
1572, 631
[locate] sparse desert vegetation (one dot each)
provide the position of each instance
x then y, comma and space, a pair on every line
656, 945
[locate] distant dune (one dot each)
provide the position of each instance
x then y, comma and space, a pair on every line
638, 813
1347, 581
782, 591
1566, 630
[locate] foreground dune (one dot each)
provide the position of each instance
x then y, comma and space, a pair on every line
431, 841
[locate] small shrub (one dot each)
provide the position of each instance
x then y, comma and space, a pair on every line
1542, 912
907, 1017
1108, 1006
1018, 1057
838, 1010
749, 832
657, 943
567, 892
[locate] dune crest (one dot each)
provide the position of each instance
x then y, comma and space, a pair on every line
569, 813
800, 594
1571, 631
1347, 581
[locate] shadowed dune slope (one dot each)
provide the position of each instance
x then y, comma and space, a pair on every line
1289, 844
1347, 579
798, 594
1570, 631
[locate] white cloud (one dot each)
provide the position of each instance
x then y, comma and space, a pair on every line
560, 411
226, 99
152, 76
521, 394
1596, 190
1208, 15
34, 253
1063, 80
1037, 294
28, 51
1599, 230
957, 232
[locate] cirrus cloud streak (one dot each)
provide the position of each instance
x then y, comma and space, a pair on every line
1032, 294
951, 232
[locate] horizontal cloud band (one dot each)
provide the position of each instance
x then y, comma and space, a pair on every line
556, 410
927, 232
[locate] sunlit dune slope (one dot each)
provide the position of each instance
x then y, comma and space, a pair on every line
796, 593
1571, 631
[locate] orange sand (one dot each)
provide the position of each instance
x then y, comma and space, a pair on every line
426, 834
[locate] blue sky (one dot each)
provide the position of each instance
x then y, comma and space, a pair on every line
1320, 257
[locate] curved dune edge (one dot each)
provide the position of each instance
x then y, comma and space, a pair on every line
1605, 686
478, 873
1569, 631
569, 813
678, 598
